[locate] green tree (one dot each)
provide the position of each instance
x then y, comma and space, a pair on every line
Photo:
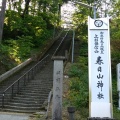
115, 21
2, 15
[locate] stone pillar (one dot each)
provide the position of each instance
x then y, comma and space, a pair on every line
118, 84
57, 87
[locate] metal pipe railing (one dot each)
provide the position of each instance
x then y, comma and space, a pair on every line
24, 78
49, 99
60, 44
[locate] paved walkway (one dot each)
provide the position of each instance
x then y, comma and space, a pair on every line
13, 116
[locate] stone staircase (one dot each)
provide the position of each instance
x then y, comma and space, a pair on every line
32, 96
30, 99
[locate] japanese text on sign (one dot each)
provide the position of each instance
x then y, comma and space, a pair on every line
99, 68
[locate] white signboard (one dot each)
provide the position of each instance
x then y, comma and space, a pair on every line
99, 68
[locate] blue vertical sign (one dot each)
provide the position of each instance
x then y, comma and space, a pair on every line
100, 90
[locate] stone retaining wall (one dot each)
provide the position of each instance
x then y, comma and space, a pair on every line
14, 70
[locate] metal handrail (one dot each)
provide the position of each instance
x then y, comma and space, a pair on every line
60, 44
23, 77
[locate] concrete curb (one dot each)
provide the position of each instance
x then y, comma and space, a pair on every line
14, 70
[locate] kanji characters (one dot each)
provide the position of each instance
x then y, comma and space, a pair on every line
99, 76
99, 43
100, 84
96, 43
102, 43
99, 60
100, 96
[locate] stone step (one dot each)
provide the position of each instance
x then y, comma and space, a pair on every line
30, 89
40, 101
37, 92
21, 111
30, 98
34, 94
39, 86
40, 82
23, 104
22, 108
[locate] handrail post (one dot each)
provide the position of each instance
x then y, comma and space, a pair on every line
3, 100
35, 69
24, 79
12, 90
73, 42
28, 76
33, 73
18, 87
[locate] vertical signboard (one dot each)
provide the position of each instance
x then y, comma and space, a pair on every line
100, 95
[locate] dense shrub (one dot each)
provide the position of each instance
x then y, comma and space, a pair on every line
5, 60
19, 49
78, 73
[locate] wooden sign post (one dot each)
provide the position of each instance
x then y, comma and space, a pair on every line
57, 87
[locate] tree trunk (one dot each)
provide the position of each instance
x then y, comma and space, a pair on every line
25, 12
2, 16
44, 7
59, 14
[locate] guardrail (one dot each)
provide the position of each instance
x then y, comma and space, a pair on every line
14, 88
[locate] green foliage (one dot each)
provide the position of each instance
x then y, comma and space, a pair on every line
115, 55
84, 47
116, 114
74, 71
33, 26
27, 26
5, 59
115, 21
20, 49
115, 29
115, 92
13, 25
80, 24
41, 37
78, 95
79, 86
